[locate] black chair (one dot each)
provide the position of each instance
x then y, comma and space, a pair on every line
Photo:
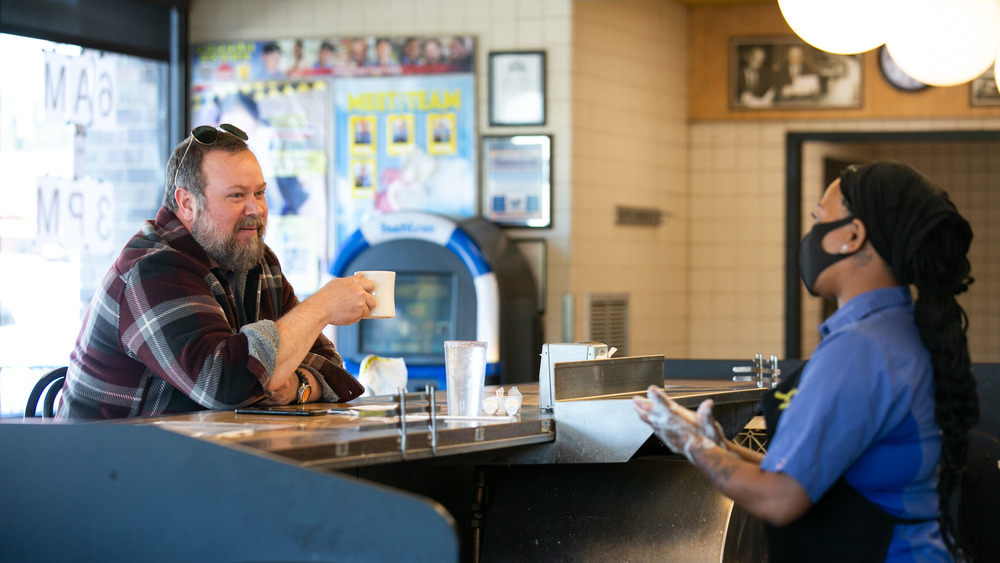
50, 384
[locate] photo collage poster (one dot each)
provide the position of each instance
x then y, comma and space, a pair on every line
345, 129
411, 146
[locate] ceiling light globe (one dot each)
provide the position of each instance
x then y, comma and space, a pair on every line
946, 42
844, 27
996, 72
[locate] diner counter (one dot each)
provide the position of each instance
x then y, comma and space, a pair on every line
353, 437
368, 432
338, 485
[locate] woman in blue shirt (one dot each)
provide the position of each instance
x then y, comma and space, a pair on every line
868, 439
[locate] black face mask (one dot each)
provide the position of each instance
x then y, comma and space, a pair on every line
812, 258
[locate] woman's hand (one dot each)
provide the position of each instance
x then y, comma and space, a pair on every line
675, 425
709, 426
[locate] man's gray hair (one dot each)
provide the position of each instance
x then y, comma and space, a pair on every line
190, 175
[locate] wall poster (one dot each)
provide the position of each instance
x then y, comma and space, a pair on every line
517, 180
285, 122
345, 129
412, 146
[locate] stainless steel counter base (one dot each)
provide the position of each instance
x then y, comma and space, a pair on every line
653, 509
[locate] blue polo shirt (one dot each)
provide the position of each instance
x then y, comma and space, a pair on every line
864, 409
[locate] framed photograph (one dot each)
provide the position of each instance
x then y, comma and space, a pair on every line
787, 73
440, 133
517, 88
983, 90
534, 251
363, 134
517, 180
363, 182
399, 134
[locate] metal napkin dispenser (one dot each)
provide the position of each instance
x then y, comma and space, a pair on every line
563, 352
583, 369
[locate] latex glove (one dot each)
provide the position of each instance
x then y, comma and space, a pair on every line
675, 425
709, 426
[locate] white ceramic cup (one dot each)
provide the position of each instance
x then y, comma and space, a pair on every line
384, 293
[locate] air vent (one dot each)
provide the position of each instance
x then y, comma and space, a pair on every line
607, 320
638, 216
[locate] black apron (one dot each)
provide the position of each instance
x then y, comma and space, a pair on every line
842, 526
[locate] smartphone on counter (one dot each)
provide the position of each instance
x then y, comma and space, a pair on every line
284, 410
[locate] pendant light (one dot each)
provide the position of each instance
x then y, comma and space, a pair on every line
844, 27
945, 42
996, 72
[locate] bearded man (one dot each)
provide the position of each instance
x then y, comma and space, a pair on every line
196, 314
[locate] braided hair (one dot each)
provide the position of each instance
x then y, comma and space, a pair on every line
918, 231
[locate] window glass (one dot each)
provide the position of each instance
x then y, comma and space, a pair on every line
71, 194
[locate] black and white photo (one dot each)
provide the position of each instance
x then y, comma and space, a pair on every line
983, 90
785, 72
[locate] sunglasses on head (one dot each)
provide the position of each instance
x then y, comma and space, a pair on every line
208, 135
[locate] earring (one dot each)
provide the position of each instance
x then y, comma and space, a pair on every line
844, 249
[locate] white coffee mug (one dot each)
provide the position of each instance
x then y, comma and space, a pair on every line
384, 293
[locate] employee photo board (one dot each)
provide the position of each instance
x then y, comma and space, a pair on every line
346, 129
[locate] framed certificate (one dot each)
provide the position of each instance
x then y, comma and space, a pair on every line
517, 180
517, 88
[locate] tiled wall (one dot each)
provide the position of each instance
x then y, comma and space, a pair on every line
498, 25
737, 240
813, 184
707, 283
627, 144
630, 149
970, 173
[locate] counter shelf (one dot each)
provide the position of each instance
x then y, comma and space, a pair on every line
335, 441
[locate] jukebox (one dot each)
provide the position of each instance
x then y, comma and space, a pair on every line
454, 281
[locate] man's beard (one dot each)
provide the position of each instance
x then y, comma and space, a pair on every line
225, 248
